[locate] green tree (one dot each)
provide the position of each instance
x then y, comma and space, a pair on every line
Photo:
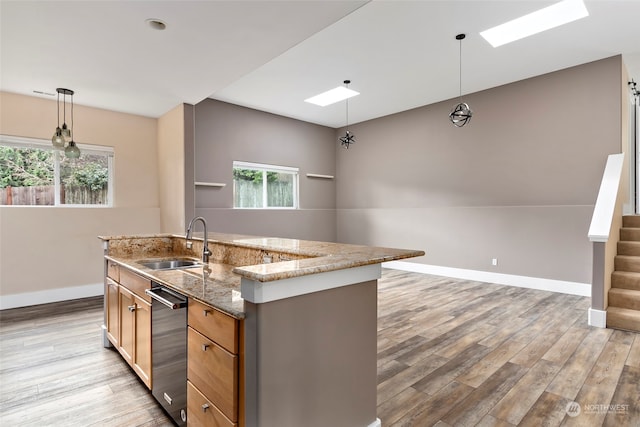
253, 175
24, 167
91, 175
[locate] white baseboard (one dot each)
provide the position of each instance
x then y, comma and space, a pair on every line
376, 423
597, 318
572, 288
50, 295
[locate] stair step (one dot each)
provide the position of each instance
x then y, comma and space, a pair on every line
631, 221
624, 298
628, 248
623, 318
630, 234
627, 263
625, 280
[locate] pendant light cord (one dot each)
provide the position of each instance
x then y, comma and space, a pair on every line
347, 114
460, 71
72, 117
58, 105
346, 84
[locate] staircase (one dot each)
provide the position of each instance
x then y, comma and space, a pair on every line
624, 296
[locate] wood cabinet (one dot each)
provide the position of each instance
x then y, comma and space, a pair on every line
129, 318
127, 310
202, 412
214, 391
142, 340
113, 313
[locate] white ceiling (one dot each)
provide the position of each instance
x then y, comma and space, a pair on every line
271, 55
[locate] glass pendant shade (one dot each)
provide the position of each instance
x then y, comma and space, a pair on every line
72, 151
58, 139
66, 132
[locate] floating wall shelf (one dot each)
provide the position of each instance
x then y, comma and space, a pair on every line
209, 184
315, 175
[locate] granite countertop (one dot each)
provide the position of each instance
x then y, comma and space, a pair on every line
216, 286
235, 257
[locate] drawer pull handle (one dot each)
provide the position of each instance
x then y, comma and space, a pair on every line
205, 407
205, 347
205, 313
132, 308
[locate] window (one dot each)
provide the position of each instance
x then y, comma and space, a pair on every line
264, 186
32, 172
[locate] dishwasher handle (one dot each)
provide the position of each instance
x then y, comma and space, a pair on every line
173, 305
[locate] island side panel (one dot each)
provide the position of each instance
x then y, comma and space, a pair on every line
311, 359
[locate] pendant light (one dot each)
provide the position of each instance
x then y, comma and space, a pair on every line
58, 139
348, 137
72, 151
461, 113
64, 134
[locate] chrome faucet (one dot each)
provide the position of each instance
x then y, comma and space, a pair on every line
205, 249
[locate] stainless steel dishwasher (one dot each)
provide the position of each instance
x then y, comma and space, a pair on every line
169, 351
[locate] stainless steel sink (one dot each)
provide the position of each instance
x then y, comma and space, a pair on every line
171, 264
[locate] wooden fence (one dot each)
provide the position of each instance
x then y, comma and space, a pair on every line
248, 194
45, 196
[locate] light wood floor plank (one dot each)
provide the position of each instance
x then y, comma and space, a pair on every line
572, 375
566, 345
634, 355
626, 400
525, 393
549, 411
484, 398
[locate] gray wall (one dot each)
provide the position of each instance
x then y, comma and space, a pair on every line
318, 370
518, 183
226, 132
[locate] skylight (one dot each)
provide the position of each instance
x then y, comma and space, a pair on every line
536, 22
332, 96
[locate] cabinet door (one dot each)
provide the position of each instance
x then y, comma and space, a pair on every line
201, 412
113, 332
214, 324
127, 307
214, 371
142, 341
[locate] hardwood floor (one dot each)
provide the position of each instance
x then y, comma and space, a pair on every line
55, 372
455, 352
450, 352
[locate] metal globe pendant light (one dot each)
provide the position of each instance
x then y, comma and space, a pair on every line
348, 137
461, 113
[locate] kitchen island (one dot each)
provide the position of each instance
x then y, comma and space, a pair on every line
301, 316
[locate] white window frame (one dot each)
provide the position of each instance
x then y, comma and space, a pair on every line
271, 168
42, 144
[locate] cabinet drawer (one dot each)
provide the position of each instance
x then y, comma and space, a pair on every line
214, 324
201, 412
136, 284
113, 270
214, 371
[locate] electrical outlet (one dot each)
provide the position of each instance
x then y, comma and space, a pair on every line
494, 261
